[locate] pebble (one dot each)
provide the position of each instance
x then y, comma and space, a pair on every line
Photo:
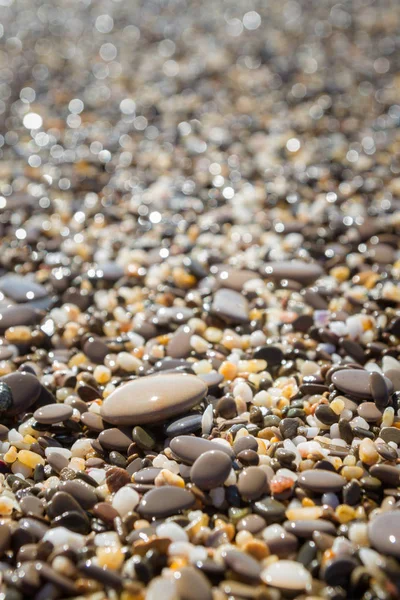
384, 533
165, 501
210, 469
321, 481
188, 448
230, 306
156, 398
25, 390
356, 382
287, 575
53, 413
252, 483
199, 302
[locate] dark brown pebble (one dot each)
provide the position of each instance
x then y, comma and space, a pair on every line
326, 415
116, 478
211, 469
64, 584
62, 502
386, 473
247, 442
96, 350
105, 512
81, 491
387, 452
87, 393
248, 458
165, 501
25, 389
74, 521
226, 407
107, 577
3, 432
354, 350
114, 439
244, 565
5, 538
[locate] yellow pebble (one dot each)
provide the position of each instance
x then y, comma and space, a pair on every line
367, 452
30, 459
29, 439
307, 502
102, 374
166, 477
337, 406
213, 334
349, 461
345, 513
77, 360
228, 370
11, 455
341, 273
111, 557
352, 473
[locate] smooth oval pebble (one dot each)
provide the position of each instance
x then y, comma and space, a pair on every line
152, 399
80, 490
287, 575
188, 448
211, 469
165, 501
295, 270
230, 306
356, 382
184, 425
252, 483
319, 480
53, 413
96, 350
25, 389
21, 289
192, 584
13, 316
384, 533
234, 279
242, 564
115, 439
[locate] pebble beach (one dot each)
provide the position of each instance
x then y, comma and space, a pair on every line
199, 300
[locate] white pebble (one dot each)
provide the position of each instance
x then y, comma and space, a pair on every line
287, 574
179, 548
207, 420
56, 450
243, 390
172, 531
125, 500
81, 448
161, 588
60, 536
108, 538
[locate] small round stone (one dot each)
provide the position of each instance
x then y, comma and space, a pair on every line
53, 413
211, 469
